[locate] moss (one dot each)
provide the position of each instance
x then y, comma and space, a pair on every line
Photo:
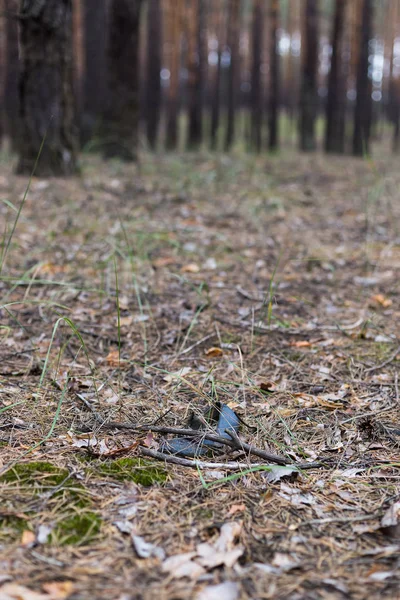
77, 524
41, 474
133, 469
76, 529
12, 527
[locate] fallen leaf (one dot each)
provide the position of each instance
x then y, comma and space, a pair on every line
113, 359
13, 591
58, 590
182, 565
235, 508
381, 300
228, 590
301, 344
285, 562
43, 533
213, 352
146, 549
174, 377
27, 539
190, 268
277, 472
390, 522
164, 261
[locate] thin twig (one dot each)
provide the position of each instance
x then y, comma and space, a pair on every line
204, 339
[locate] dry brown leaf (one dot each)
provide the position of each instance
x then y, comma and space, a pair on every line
190, 268
113, 360
164, 261
381, 300
27, 538
52, 269
267, 386
58, 590
301, 344
235, 508
213, 352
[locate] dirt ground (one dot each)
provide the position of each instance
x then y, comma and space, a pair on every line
136, 297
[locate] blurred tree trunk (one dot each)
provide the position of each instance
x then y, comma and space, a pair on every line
11, 100
196, 66
336, 101
363, 108
309, 83
219, 13
3, 51
174, 37
46, 88
393, 98
256, 91
233, 43
153, 83
273, 105
94, 90
121, 117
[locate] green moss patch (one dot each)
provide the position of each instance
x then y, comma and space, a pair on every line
68, 504
77, 529
36, 474
138, 470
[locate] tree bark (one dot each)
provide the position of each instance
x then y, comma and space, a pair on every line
46, 88
95, 69
174, 33
153, 83
121, 117
196, 64
233, 43
216, 89
336, 101
309, 89
363, 108
273, 105
256, 91
11, 99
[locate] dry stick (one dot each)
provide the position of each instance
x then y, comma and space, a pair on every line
185, 462
386, 362
280, 460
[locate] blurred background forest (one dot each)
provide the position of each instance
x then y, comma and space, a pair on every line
188, 74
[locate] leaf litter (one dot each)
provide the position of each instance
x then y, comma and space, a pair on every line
288, 312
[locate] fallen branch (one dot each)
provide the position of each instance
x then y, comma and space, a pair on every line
279, 460
185, 462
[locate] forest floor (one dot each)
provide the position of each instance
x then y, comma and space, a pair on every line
139, 296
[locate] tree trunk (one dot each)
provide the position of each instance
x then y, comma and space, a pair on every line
174, 35
309, 89
121, 118
233, 43
196, 62
336, 101
363, 108
11, 100
256, 91
46, 88
153, 83
94, 79
216, 89
273, 108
